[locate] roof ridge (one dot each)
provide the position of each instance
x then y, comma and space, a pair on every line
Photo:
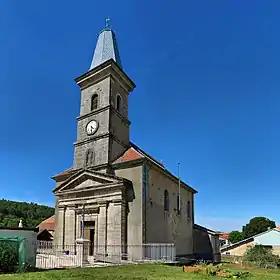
138, 149
249, 238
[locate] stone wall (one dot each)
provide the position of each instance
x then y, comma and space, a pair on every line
101, 206
117, 89
276, 250
70, 226
202, 244
100, 148
101, 88
206, 245
59, 226
167, 226
239, 250
134, 237
113, 124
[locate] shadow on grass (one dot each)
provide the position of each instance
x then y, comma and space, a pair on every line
34, 269
188, 262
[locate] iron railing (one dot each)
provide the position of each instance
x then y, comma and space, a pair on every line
51, 255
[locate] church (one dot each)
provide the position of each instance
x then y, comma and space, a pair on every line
115, 194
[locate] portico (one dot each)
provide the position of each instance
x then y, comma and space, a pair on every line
93, 206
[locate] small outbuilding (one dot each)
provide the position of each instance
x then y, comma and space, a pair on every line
206, 244
46, 229
26, 241
44, 235
269, 239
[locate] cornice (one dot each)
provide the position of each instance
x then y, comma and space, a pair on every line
106, 69
92, 113
88, 140
108, 107
93, 189
104, 135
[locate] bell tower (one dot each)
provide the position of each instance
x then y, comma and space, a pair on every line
103, 125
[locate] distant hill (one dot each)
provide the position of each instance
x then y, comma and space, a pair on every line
31, 213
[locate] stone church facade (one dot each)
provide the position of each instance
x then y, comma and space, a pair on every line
116, 195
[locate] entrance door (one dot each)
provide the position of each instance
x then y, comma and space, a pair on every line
91, 240
89, 235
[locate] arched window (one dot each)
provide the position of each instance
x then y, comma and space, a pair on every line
94, 102
188, 210
166, 201
119, 103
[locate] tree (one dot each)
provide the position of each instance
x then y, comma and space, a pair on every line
257, 225
235, 236
261, 256
31, 214
8, 257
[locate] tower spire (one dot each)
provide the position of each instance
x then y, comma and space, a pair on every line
106, 47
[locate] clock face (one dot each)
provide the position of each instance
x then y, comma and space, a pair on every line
92, 127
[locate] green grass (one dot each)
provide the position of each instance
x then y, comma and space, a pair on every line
136, 272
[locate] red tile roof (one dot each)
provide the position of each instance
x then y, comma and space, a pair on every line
48, 224
129, 155
224, 235
65, 172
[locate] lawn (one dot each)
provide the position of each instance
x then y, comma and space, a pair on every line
133, 272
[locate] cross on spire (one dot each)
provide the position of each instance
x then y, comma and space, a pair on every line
107, 22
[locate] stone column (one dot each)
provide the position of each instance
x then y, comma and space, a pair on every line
114, 234
60, 230
101, 248
69, 243
82, 246
124, 229
75, 228
78, 225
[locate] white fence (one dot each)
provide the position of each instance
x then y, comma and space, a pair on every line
50, 255
159, 252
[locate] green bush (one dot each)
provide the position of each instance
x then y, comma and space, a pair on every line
8, 257
261, 256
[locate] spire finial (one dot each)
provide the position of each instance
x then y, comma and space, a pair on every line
107, 22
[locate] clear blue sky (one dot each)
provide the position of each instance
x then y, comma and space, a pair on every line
208, 95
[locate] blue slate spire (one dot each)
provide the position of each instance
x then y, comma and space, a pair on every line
106, 47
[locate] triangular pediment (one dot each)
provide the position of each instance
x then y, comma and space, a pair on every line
87, 183
87, 179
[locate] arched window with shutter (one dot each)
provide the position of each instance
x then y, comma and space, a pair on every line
166, 201
94, 102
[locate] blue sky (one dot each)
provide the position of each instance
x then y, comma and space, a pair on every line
207, 96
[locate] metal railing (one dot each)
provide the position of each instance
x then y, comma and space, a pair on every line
50, 255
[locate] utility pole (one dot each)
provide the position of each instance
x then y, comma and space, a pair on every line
179, 190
